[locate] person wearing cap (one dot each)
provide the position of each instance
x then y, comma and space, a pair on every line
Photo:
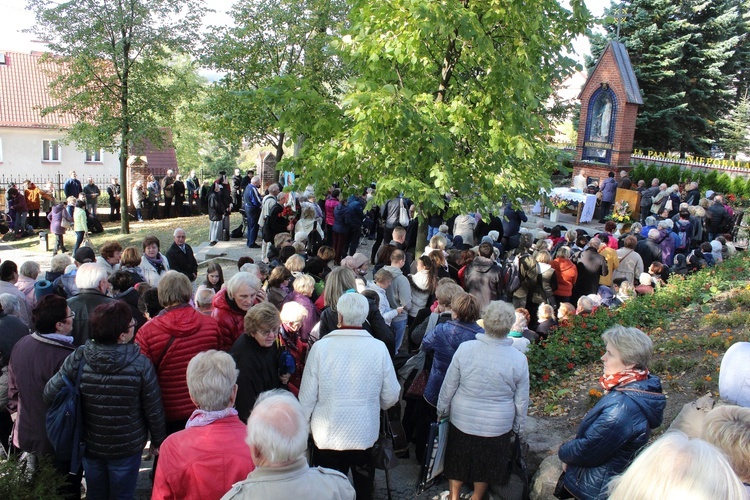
92, 283
65, 285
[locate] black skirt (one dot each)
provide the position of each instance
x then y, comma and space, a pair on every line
475, 459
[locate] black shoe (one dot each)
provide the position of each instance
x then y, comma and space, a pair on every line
212, 243
254, 246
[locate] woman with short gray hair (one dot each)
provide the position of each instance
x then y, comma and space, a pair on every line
619, 425
349, 378
205, 459
241, 292
483, 415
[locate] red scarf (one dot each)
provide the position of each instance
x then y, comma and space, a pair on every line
621, 378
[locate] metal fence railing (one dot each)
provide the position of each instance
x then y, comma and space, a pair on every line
58, 180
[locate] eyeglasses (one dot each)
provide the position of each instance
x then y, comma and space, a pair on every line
72, 315
269, 333
132, 324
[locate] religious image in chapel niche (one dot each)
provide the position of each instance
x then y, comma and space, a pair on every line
598, 144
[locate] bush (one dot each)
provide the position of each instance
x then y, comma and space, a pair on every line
17, 483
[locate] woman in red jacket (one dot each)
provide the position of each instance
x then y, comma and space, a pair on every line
566, 273
242, 291
206, 458
171, 339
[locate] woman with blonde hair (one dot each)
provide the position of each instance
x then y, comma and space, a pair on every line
619, 425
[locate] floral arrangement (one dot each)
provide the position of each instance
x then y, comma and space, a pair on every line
620, 212
559, 203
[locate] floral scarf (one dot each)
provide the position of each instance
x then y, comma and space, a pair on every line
608, 382
201, 418
157, 263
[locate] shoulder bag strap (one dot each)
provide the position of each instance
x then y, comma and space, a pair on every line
163, 353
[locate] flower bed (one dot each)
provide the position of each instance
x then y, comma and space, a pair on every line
579, 342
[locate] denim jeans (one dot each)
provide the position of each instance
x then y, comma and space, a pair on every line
431, 231
253, 214
398, 328
111, 478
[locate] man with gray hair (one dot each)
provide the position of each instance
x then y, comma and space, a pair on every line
180, 255
252, 203
277, 436
93, 286
269, 201
649, 249
647, 198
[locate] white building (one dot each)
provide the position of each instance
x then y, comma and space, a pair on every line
31, 145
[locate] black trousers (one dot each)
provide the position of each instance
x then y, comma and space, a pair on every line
360, 463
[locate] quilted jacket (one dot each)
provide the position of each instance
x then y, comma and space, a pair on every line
193, 333
120, 397
610, 436
349, 378
229, 317
476, 406
443, 341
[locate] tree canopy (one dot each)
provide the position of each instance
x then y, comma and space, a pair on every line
446, 97
114, 74
279, 76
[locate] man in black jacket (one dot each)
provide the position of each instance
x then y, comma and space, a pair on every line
180, 256
718, 218
91, 280
649, 249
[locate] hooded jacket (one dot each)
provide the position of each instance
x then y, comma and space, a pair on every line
483, 279
566, 273
610, 436
193, 333
121, 400
399, 293
229, 317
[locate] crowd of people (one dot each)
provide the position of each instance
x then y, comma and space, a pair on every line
227, 379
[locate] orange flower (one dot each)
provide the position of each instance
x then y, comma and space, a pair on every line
708, 378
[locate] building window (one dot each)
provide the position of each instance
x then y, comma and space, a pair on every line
93, 156
50, 150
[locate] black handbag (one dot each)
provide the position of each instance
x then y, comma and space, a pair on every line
383, 453
561, 491
517, 487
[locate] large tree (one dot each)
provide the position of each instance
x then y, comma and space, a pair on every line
114, 73
682, 54
448, 97
278, 71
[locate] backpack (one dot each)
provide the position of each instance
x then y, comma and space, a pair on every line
64, 422
314, 240
518, 273
684, 229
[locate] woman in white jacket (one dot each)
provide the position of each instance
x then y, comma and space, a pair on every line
349, 378
482, 413
153, 263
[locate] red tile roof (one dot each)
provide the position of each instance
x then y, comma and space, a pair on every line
24, 92
159, 160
